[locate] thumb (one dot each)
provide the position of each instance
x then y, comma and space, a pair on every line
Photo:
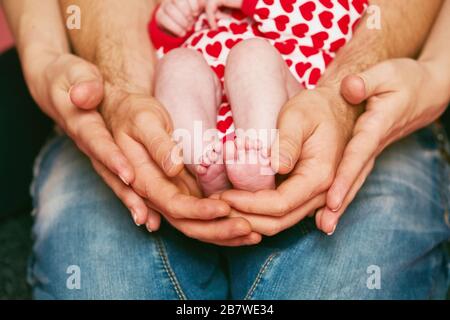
287, 147
157, 138
86, 85
357, 88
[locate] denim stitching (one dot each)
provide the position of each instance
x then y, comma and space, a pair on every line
165, 260
442, 142
259, 276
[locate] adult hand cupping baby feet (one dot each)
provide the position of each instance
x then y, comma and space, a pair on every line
401, 98
314, 128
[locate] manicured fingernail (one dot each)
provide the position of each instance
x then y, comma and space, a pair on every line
135, 218
285, 161
332, 232
124, 180
149, 229
337, 208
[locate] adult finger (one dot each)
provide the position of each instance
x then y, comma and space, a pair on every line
157, 140
129, 198
287, 147
86, 87
153, 221
312, 176
270, 226
360, 87
230, 231
369, 133
167, 195
89, 132
327, 220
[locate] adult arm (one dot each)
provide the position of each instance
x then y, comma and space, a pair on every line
403, 95
66, 88
114, 37
315, 126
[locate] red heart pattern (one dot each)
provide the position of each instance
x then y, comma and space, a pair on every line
238, 28
307, 34
302, 67
326, 19
230, 43
214, 49
281, 22
318, 39
288, 5
307, 9
286, 47
343, 24
327, 3
300, 30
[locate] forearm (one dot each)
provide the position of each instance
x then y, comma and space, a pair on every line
405, 25
436, 54
114, 37
36, 25
40, 37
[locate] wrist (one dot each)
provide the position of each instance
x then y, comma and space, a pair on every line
120, 103
35, 61
114, 97
346, 113
437, 80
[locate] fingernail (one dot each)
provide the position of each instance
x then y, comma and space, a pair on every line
285, 160
124, 180
70, 89
149, 229
135, 218
337, 208
332, 232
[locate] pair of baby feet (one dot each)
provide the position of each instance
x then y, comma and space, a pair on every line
240, 163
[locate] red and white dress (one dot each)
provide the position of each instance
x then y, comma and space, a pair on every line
307, 33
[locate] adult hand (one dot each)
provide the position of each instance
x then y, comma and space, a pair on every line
69, 89
142, 128
402, 95
314, 128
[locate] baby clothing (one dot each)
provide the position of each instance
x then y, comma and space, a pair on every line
307, 33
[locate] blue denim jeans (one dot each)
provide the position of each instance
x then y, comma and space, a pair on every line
390, 244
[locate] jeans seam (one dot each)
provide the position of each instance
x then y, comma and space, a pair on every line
443, 146
259, 276
167, 267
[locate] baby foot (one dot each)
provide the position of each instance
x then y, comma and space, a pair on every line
248, 165
211, 173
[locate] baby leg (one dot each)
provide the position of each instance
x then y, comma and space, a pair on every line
190, 92
258, 83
